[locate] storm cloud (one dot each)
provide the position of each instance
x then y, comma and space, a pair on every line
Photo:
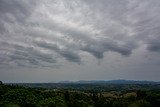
43, 32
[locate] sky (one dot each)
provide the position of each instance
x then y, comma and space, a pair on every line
57, 40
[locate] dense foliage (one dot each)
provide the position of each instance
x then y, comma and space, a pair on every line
18, 96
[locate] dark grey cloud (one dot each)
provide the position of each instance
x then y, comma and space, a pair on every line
64, 52
99, 47
154, 44
42, 33
18, 55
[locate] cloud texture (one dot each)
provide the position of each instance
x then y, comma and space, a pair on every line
43, 32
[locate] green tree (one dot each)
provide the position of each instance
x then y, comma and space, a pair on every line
141, 94
53, 102
82, 103
22, 97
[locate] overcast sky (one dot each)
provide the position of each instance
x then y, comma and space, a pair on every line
54, 40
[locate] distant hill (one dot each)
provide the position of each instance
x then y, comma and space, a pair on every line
111, 82
96, 85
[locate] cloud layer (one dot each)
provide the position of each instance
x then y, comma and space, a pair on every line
41, 33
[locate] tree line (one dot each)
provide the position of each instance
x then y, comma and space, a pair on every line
17, 96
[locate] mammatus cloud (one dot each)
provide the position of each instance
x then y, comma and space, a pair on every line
40, 33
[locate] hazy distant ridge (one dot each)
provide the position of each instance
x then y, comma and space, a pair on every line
112, 82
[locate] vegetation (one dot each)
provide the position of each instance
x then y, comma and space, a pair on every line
20, 96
